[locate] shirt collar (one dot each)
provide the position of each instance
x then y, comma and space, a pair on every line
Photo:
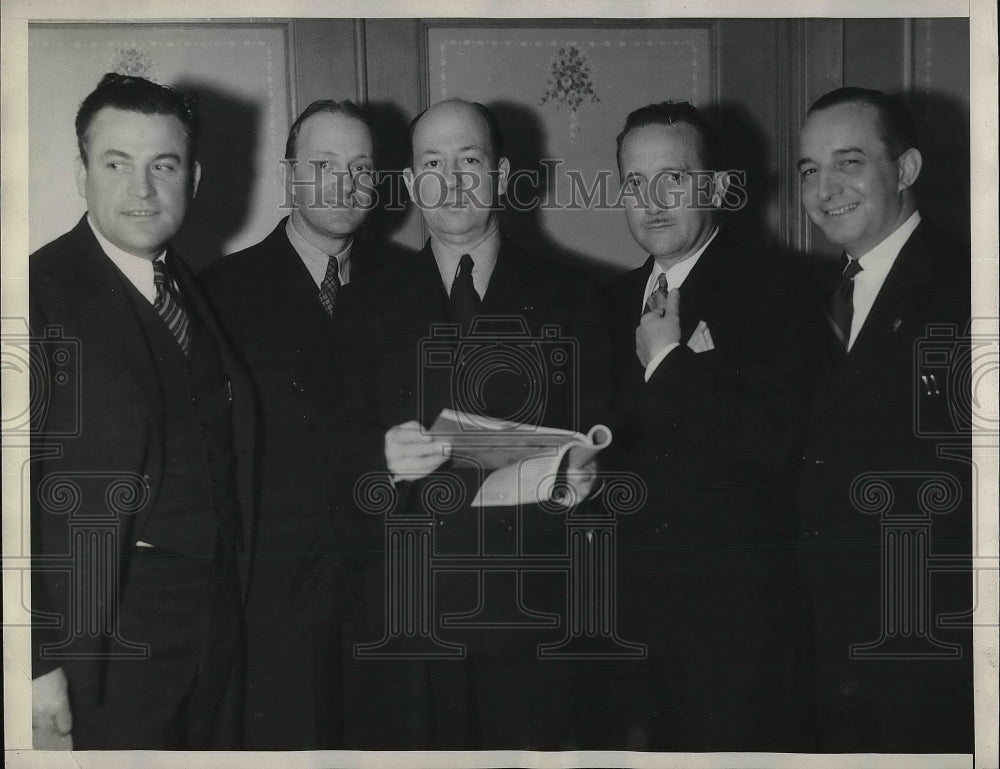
138, 269
881, 258
484, 256
316, 259
678, 272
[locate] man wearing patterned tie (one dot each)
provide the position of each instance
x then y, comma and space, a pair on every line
277, 299
499, 695
137, 588
707, 367
887, 679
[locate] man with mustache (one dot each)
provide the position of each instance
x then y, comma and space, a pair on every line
707, 367
277, 300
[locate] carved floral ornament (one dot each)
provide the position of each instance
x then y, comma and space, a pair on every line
570, 84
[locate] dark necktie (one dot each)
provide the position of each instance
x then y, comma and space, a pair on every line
330, 286
842, 303
657, 300
168, 305
464, 302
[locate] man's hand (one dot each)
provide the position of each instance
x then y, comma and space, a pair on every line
659, 328
411, 454
576, 484
51, 719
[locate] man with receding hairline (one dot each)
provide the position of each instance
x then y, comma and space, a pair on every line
277, 300
498, 695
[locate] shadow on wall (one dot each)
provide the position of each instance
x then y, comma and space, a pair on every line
392, 154
746, 150
525, 144
230, 134
942, 124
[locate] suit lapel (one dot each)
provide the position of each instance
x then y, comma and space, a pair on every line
108, 292
887, 323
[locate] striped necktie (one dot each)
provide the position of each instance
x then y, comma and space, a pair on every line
330, 286
169, 307
657, 300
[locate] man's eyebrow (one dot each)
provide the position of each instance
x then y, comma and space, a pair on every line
848, 151
113, 153
168, 156
803, 161
468, 147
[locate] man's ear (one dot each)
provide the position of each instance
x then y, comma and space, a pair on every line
195, 178
408, 181
909, 165
503, 171
720, 183
81, 177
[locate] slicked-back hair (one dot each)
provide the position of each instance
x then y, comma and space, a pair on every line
670, 113
136, 94
346, 108
895, 123
492, 125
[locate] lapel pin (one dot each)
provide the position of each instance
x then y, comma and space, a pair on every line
896, 324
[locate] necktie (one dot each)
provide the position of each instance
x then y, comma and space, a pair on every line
168, 305
842, 303
330, 286
658, 298
464, 302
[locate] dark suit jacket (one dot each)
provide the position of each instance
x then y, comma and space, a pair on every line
706, 566
112, 392
394, 373
268, 304
873, 414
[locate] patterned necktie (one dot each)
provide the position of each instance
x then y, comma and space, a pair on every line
168, 305
330, 286
658, 298
464, 302
841, 310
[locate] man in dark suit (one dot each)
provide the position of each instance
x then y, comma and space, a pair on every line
137, 526
493, 299
706, 366
277, 300
889, 422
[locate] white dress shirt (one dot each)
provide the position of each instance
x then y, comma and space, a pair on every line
875, 266
137, 269
676, 276
316, 259
484, 258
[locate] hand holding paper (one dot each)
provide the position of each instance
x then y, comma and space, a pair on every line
411, 454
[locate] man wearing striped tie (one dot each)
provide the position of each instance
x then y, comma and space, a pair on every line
278, 301
137, 584
706, 366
